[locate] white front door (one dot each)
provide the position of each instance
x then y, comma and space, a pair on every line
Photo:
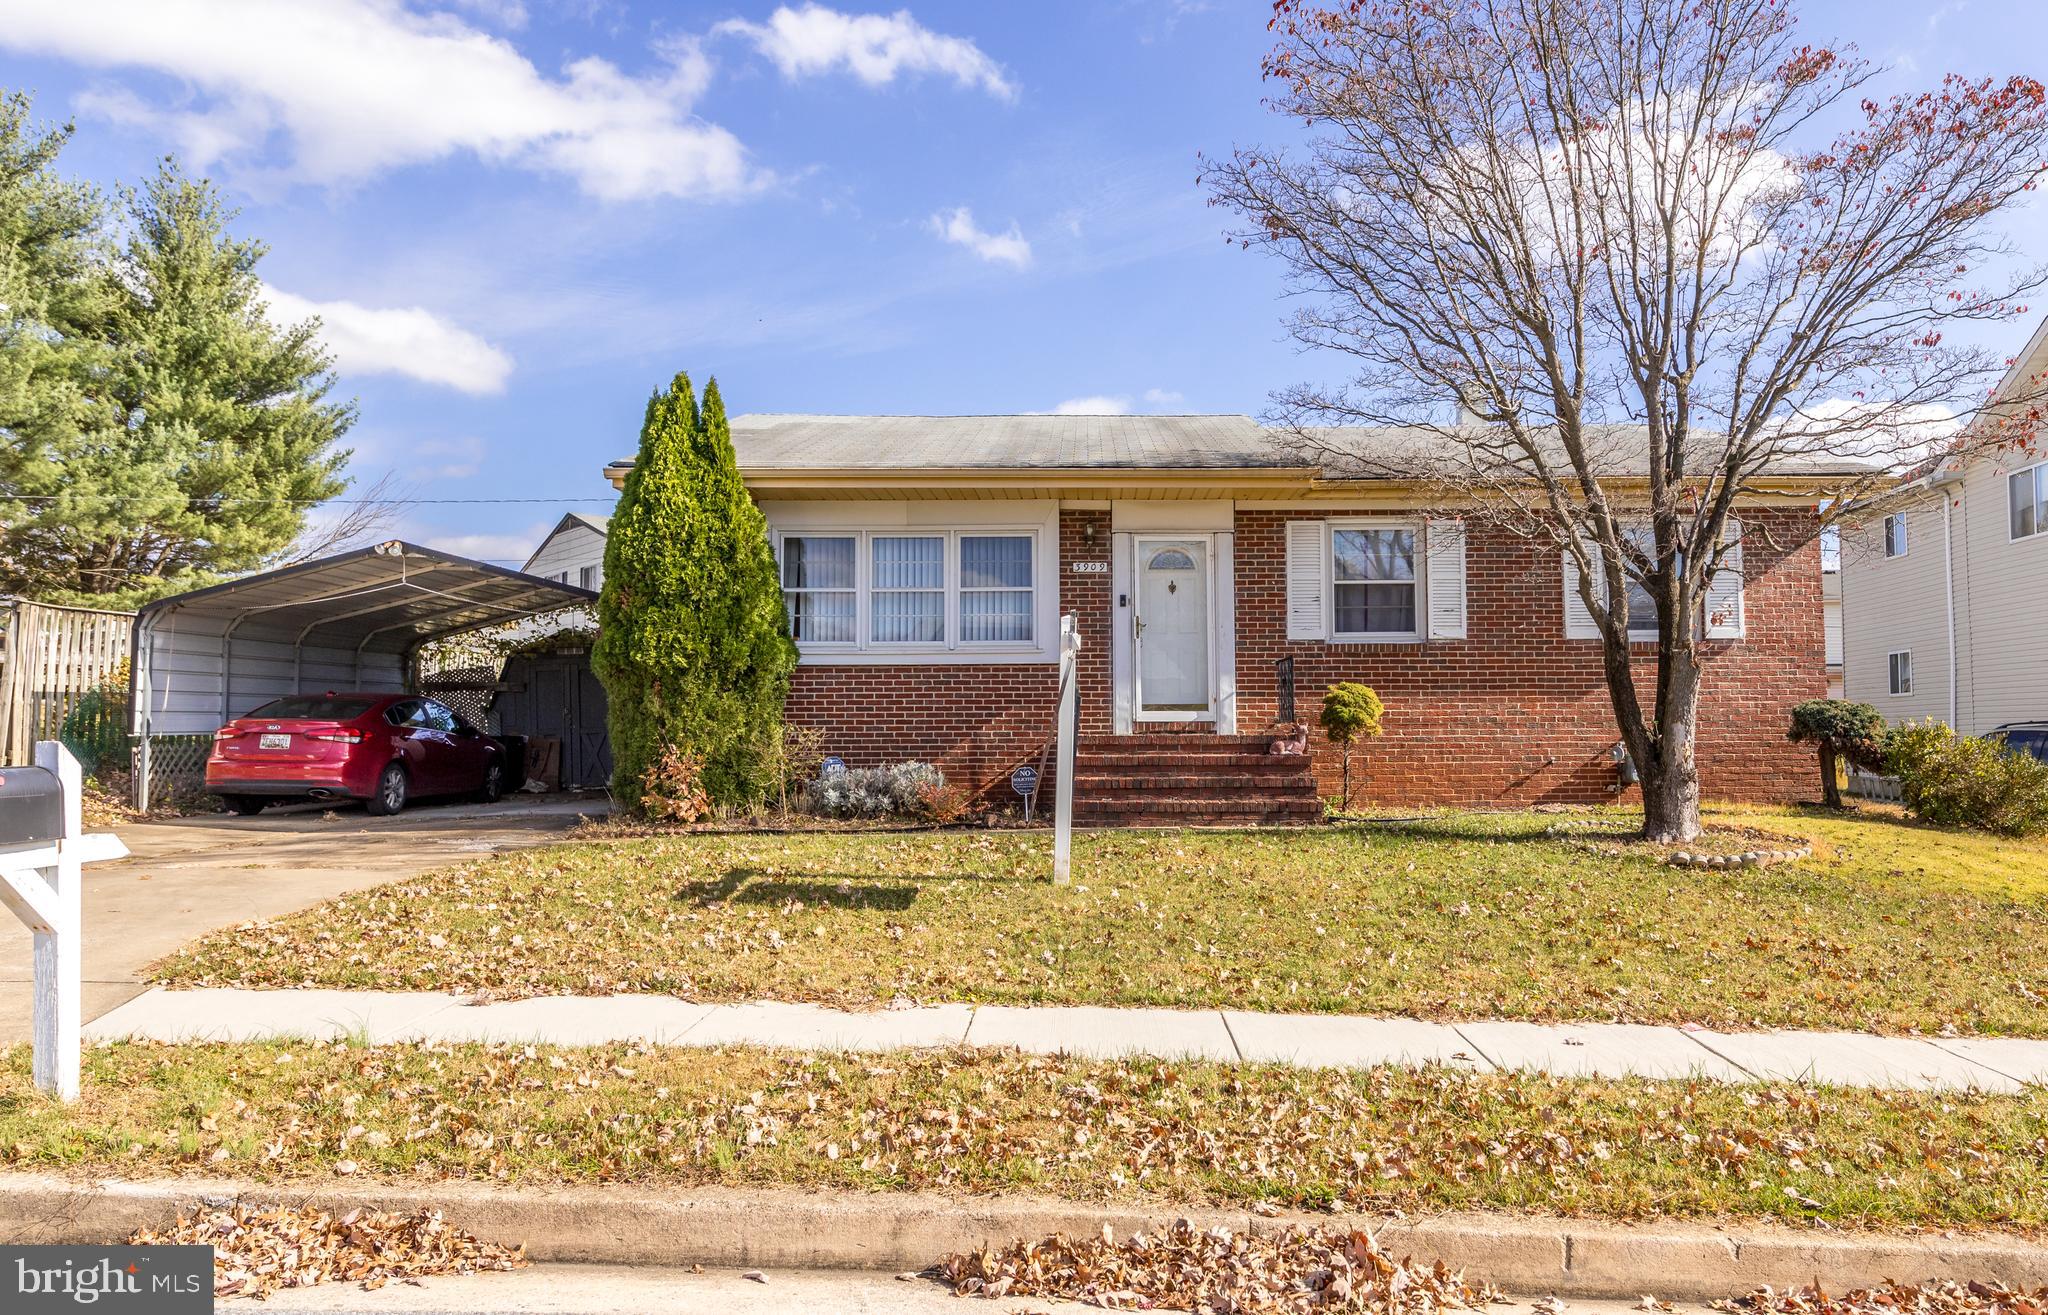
1171, 625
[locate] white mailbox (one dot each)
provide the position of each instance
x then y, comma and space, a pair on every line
43, 851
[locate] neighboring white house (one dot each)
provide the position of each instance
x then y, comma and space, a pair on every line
573, 552
1942, 600
1831, 609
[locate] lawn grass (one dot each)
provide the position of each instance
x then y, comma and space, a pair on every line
1889, 927
992, 1121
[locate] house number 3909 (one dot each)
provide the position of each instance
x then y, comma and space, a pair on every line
1091, 568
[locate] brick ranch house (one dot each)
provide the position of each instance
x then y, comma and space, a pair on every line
927, 562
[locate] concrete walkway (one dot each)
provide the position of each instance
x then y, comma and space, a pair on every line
1309, 1040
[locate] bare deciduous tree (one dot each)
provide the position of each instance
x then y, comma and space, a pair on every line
1656, 257
357, 521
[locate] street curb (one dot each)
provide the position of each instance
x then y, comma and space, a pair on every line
728, 1228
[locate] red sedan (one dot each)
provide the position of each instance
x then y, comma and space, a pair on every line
380, 748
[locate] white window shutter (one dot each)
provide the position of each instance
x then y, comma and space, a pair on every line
1444, 563
1578, 618
1305, 574
1724, 588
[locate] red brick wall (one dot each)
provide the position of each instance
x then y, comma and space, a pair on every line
1516, 713
976, 722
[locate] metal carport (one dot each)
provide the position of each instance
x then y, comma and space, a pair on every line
352, 621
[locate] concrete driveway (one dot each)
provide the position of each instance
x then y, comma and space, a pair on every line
186, 877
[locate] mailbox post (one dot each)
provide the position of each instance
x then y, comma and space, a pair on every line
43, 849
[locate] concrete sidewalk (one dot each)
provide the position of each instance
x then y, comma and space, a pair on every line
1309, 1040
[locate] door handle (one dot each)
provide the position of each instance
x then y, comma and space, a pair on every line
1137, 627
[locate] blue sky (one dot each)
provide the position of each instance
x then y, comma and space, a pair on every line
519, 216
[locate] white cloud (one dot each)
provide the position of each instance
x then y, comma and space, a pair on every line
1097, 405
814, 39
411, 341
957, 226
445, 458
346, 89
1115, 404
508, 548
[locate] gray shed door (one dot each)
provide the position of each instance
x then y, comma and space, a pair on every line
562, 700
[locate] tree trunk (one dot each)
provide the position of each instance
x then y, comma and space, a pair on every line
1671, 779
1830, 780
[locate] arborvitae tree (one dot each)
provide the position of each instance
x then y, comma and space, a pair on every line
693, 647
219, 434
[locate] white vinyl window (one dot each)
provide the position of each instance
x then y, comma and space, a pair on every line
1901, 671
586, 577
1373, 586
907, 589
914, 591
995, 588
1895, 534
2027, 499
818, 588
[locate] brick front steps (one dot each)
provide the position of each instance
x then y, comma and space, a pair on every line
1190, 779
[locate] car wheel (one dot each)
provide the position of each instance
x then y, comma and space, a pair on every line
244, 805
494, 783
391, 792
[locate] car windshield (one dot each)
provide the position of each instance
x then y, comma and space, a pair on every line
2030, 741
317, 707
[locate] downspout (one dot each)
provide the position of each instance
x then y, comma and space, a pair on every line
1948, 581
1940, 482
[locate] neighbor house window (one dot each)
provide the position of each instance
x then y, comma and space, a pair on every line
995, 588
587, 577
818, 589
2027, 497
1902, 672
1373, 582
1895, 534
907, 590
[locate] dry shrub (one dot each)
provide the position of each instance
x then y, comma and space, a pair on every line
672, 787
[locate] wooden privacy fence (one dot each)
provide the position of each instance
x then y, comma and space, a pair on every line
55, 667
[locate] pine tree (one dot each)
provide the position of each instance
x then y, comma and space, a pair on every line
692, 646
53, 304
218, 433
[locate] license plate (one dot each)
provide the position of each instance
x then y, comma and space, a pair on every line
274, 742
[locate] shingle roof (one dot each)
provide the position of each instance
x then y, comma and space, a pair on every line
1013, 442
777, 444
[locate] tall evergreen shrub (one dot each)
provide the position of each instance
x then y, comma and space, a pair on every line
692, 645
